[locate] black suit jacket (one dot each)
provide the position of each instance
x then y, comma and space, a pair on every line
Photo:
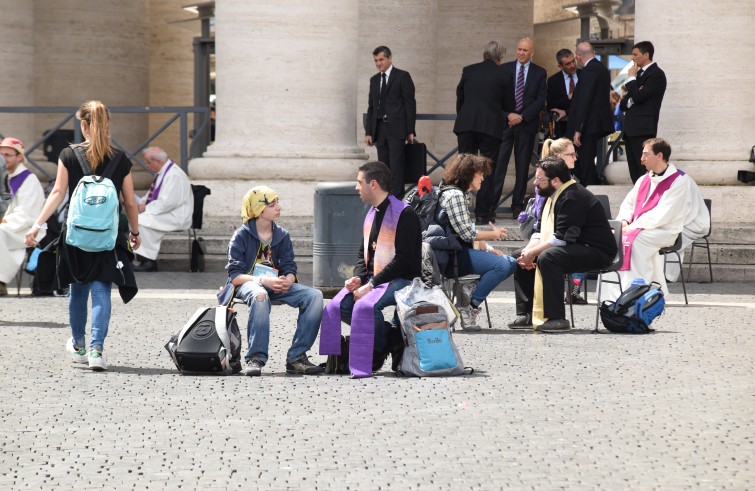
481, 99
400, 105
534, 95
558, 97
646, 92
590, 112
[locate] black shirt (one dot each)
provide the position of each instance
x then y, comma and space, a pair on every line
581, 219
407, 262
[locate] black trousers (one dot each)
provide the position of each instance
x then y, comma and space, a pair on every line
633, 145
587, 151
474, 142
390, 151
522, 143
554, 263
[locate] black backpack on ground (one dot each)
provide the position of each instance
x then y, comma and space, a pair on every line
209, 343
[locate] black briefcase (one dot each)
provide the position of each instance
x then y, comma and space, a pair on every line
415, 162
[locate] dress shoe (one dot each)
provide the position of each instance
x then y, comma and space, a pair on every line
481, 221
554, 325
523, 321
144, 266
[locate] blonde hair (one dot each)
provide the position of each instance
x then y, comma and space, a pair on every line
554, 147
97, 116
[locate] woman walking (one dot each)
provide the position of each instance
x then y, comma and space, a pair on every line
93, 272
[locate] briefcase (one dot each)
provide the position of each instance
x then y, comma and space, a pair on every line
415, 162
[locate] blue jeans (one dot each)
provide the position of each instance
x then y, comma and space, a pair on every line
388, 298
309, 302
493, 269
77, 312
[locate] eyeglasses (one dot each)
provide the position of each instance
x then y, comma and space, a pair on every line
8, 155
542, 179
570, 154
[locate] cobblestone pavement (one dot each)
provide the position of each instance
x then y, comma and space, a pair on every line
670, 410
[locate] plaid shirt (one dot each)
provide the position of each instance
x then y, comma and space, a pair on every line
455, 203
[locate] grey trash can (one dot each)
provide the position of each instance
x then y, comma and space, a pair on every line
339, 215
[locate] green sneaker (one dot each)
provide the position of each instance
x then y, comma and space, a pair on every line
97, 361
77, 355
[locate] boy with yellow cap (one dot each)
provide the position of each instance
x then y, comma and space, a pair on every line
262, 268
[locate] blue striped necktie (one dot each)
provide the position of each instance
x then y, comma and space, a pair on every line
520, 89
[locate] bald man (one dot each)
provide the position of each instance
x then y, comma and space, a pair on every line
527, 97
167, 207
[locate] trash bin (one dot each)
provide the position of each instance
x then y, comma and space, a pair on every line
339, 215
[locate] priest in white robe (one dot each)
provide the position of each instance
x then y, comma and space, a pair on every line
167, 207
27, 199
652, 215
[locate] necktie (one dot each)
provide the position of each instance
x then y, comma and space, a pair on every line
640, 72
571, 84
520, 89
382, 94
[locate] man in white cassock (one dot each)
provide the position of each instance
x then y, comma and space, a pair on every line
652, 216
27, 199
167, 207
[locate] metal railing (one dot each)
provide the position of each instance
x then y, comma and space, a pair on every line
180, 113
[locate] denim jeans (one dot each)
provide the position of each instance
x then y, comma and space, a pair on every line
77, 312
309, 302
493, 269
388, 298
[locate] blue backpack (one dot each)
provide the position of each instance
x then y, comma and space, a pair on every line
93, 213
634, 310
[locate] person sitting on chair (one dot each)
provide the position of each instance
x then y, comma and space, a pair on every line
574, 237
466, 172
27, 199
389, 258
652, 215
262, 268
167, 207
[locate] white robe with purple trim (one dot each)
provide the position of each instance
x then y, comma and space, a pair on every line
23, 209
661, 225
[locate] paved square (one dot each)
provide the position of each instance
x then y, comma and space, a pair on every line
671, 410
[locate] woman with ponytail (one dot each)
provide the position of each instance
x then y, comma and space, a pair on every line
93, 272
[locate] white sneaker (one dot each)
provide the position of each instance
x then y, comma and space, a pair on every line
77, 356
97, 361
469, 318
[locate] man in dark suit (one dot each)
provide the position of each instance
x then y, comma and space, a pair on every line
391, 115
527, 97
641, 104
561, 87
480, 104
590, 115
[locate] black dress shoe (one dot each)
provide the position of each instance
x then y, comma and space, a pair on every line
554, 325
481, 221
145, 266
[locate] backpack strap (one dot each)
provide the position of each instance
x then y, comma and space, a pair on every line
80, 154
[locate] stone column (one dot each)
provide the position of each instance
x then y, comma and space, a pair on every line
17, 41
707, 113
286, 98
92, 50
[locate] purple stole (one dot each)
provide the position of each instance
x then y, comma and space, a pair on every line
362, 340
17, 181
154, 191
642, 205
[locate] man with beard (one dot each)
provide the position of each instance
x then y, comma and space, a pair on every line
574, 237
